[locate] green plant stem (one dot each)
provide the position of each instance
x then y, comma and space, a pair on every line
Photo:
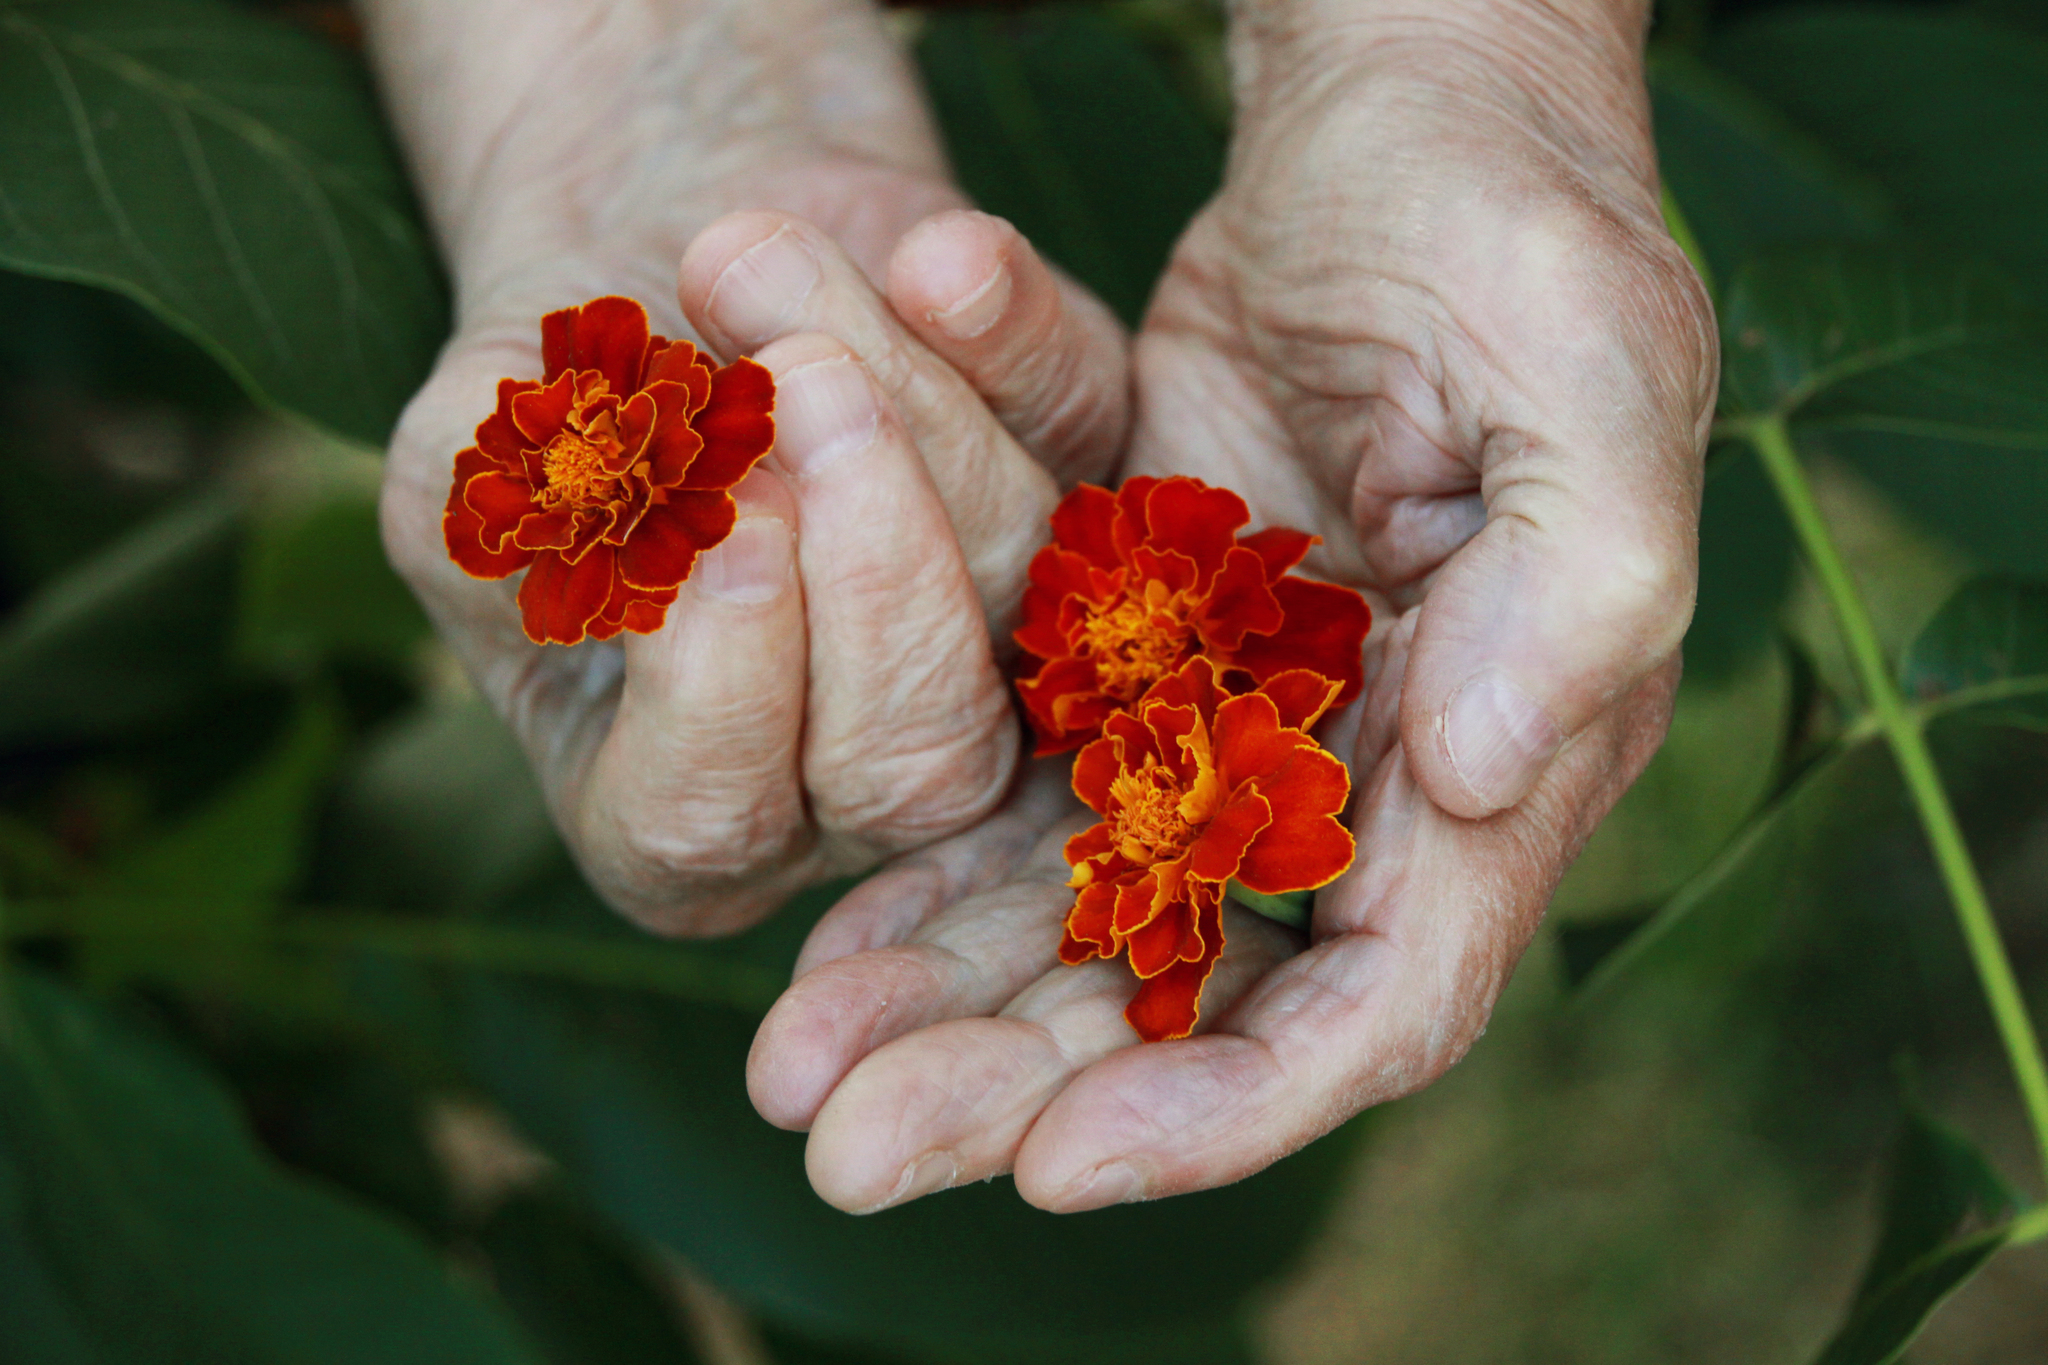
1903, 731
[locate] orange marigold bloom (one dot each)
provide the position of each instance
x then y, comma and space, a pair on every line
607, 477
1197, 787
1138, 581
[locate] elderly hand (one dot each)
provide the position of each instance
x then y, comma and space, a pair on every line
1434, 317
824, 691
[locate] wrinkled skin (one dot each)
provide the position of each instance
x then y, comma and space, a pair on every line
816, 701
1432, 316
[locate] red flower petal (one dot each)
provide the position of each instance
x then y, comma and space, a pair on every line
1178, 571
501, 501
558, 599
737, 425
1301, 697
1169, 1004
1169, 938
1129, 528
1307, 845
666, 543
637, 417
1082, 523
496, 435
1088, 923
540, 413
1324, 631
1216, 854
1239, 602
1199, 521
1060, 728
679, 362
673, 443
1092, 842
1280, 547
554, 530
1094, 768
645, 613
608, 335
1251, 744
462, 529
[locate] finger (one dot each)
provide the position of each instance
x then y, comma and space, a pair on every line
696, 785
910, 734
753, 277
1415, 944
1046, 356
954, 1102
1581, 582
955, 929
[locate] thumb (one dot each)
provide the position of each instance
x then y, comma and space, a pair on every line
1579, 585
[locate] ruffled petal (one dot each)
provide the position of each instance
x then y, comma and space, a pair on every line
1129, 529
1251, 744
1306, 845
463, 530
1279, 547
540, 413
496, 435
1168, 938
1216, 854
1088, 923
737, 424
1092, 842
636, 421
1063, 705
1154, 564
1238, 603
1301, 696
647, 610
1058, 577
1201, 522
558, 599
554, 530
608, 335
1082, 524
664, 546
1169, 1004
679, 362
1324, 630
673, 443
1095, 767
501, 501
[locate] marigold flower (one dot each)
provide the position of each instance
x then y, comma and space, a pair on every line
1138, 581
1196, 788
607, 477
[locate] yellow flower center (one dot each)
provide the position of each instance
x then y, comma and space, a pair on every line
1136, 642
574, 462
1151, 822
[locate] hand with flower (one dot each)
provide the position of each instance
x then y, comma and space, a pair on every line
761, 736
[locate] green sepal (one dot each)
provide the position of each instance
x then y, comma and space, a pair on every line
1291, 908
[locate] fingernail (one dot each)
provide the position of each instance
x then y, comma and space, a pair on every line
823, 410
931, 1172
750, 566
759, 295
1498, 739
1114, 1183
977, 308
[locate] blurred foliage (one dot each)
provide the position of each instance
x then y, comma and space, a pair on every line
286, 915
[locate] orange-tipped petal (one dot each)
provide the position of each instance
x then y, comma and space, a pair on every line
678, 362
1280, 548
554, 530
540, 413
673, 444
558, 599
1201, 522
1238, 603
1082, 523
501, 502
1301, 697
1169, 1004
1215, 856
462, 530
496, 435
1095, 767
608, 335
1324, 630
1306, 845
664, 546
1251, 744
1169, 938
1089, 921
737, 425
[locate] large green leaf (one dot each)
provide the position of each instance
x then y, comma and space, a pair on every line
1939, 1183
232, 174
133, 634
1947, 115
1059, 121
139, 1224
1985, 655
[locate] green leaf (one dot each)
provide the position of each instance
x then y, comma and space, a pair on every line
576, 1288
1873, 338
1985, 654
133, 634
1060, 122
1292, 909
139, 1224
1939, 1183
1949, 116
316, 586
1746, 177
231, 174
1745, 567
